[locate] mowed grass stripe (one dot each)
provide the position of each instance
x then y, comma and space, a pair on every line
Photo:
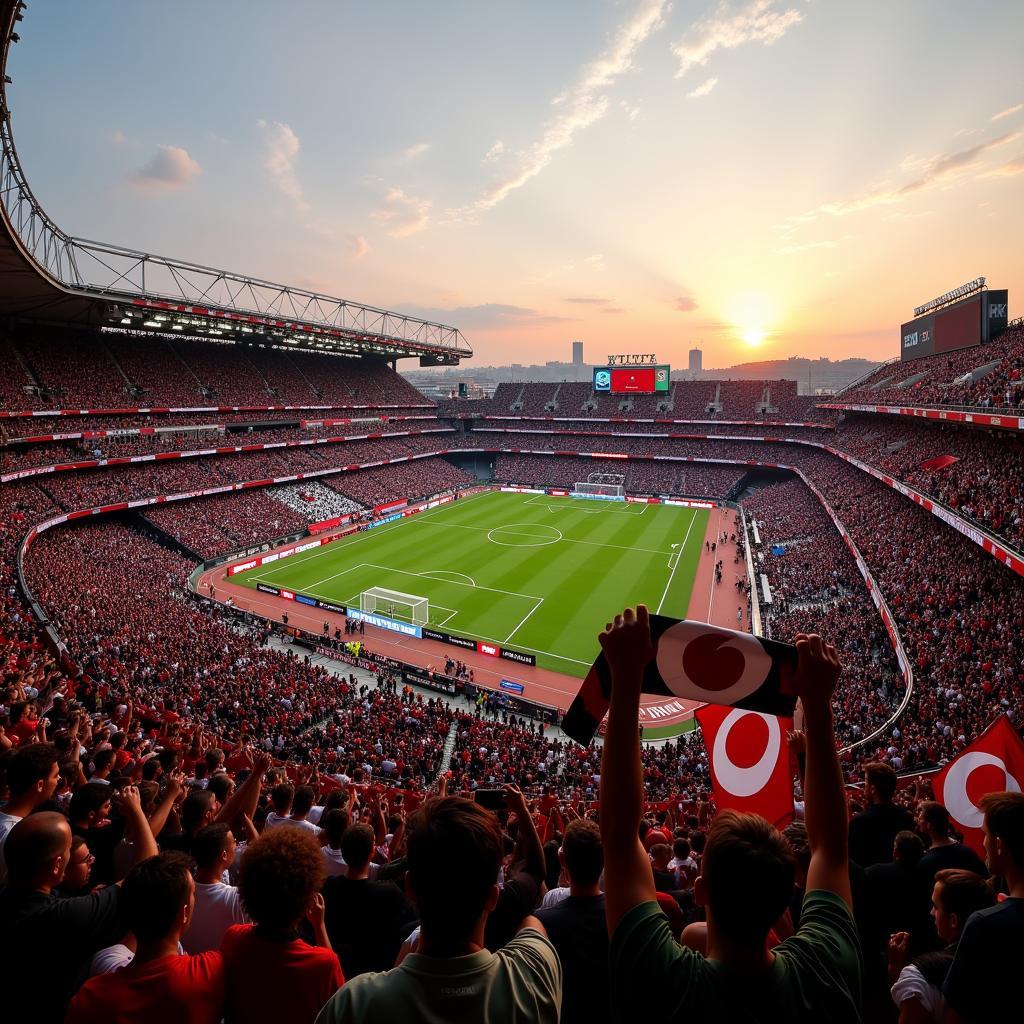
489, 539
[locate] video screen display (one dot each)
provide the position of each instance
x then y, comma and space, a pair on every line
631, 380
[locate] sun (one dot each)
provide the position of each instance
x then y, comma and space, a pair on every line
753, 337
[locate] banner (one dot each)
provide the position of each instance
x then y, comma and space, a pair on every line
700, 662
992, 763
749, 762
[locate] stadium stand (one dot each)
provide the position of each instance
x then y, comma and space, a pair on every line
183, 675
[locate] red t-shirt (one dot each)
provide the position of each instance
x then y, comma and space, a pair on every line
169, 990
281, 981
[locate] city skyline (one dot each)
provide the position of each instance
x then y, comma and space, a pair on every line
757, 179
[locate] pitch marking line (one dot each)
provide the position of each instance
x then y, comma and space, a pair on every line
493, 590
521, 624
433, 574
672, 574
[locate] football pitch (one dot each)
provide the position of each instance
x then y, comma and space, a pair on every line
527, 571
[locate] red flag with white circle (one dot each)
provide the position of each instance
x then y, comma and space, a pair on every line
749, 761
993, 763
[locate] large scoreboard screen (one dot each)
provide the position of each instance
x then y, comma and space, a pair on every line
631, 380
972, 321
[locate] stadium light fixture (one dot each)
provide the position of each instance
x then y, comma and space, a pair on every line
126, 319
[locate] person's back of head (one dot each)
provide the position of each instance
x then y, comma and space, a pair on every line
104, 760
334, 823
1004, 831
907, 849
36, 850
747, 875
303, 801
880, 782
220, 785
31, 773
454, 851
209, 845
157, 897
196, 809
357, 846
681, 849
281, 798
278, 877
583, 852
935, 818
87, 802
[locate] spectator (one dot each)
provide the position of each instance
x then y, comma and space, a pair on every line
272, 973
218, 906
34, 918
160, 984
455, 850
873, 831
32, 775
944, 851
747, 875
366, 920
982, 980
898, 897
917, 991
576, 927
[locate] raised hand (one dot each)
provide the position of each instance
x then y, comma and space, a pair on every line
627, 643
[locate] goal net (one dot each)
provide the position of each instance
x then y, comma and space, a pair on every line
395, 605
600, 485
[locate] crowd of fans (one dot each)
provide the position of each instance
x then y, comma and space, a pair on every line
84, 371
192, 755
315, 502
225, 522
940, 379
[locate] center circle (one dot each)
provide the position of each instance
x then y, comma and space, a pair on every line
524, 535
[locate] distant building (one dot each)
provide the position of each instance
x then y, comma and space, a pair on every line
696, 360
577, 353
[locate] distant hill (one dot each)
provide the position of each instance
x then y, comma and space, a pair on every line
811, 375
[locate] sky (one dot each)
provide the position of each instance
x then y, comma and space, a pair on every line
760, 178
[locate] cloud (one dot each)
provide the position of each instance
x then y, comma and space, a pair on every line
703, 89
1008, 170
596, 261
631, 112
118, 138
731, 25
588, 301
489, 316
941, 170
282, 147
358, 246
416, 151
684, 304
614, 309
1008, 112
494, 152
169, 169
579, 107
403, 214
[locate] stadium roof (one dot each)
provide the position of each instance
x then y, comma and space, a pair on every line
49, 275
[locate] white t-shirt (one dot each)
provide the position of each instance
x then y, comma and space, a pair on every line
111, 959
335, 866
218, 907
555, 896
912, 984
7, 822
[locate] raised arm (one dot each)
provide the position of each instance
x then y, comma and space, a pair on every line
629, 880
244, 799
136, 826
533, 851
825, 812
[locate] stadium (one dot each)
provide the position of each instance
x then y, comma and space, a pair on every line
238, 544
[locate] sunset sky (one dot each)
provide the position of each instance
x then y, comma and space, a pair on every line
761, 178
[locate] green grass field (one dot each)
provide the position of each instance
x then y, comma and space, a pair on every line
531, 572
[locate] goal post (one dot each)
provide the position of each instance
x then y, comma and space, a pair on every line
395, 605
601, 485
